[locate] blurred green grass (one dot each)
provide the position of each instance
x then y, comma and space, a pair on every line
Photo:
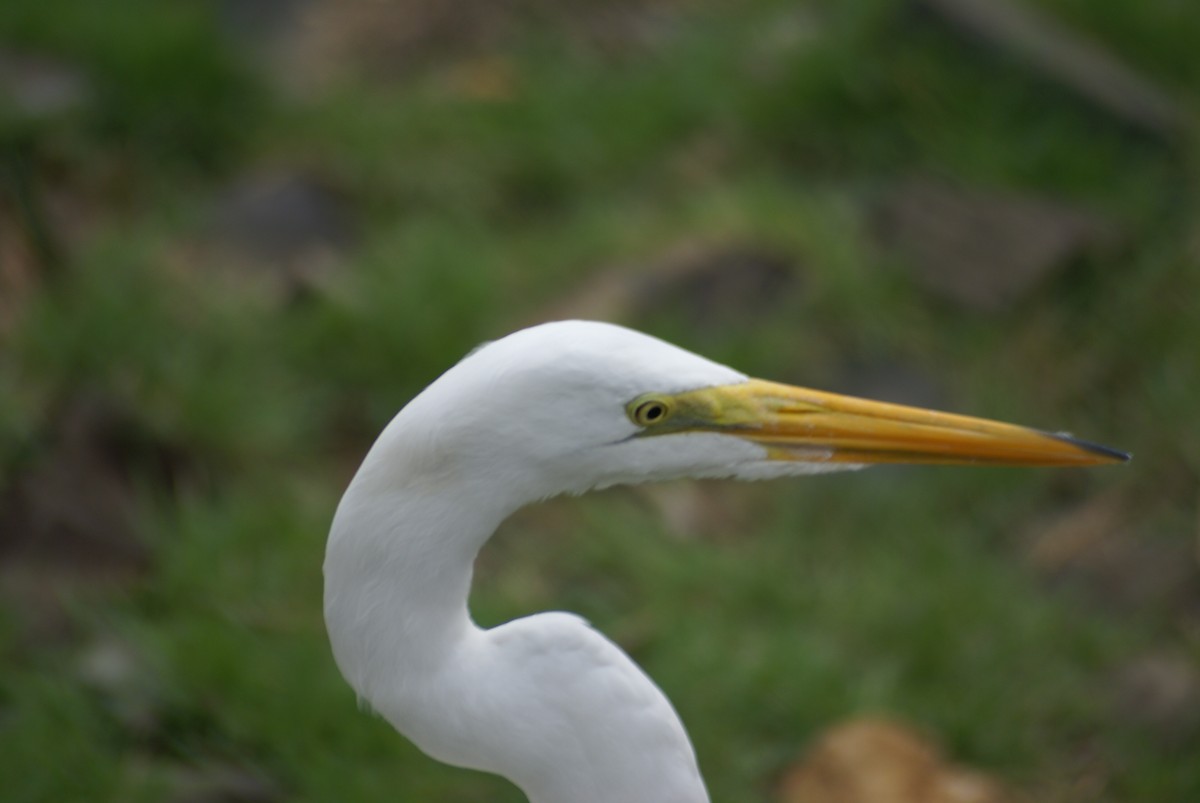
898, 591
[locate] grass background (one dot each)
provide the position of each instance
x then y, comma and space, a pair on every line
901, 591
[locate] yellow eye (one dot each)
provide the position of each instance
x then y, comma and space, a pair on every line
647, 412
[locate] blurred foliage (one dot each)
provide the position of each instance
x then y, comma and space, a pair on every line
165, 90
770, 123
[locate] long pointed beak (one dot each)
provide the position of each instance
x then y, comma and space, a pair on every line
798, 424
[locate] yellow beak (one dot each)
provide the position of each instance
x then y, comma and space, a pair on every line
796, 423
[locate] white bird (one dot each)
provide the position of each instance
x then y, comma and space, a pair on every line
546, 701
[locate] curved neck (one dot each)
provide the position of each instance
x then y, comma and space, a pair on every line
398, 569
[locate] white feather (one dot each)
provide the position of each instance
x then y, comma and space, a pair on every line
545, 701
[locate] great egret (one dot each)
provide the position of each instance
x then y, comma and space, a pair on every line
546, 701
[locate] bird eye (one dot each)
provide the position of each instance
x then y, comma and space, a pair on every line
647, 412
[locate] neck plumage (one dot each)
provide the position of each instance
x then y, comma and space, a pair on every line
398, 569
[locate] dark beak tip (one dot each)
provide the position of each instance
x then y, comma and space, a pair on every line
1107, 452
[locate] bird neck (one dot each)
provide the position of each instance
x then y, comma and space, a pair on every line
545, 701
398, 570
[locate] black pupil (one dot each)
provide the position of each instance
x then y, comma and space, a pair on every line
653, 412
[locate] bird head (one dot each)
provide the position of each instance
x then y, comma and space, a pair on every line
575, 405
